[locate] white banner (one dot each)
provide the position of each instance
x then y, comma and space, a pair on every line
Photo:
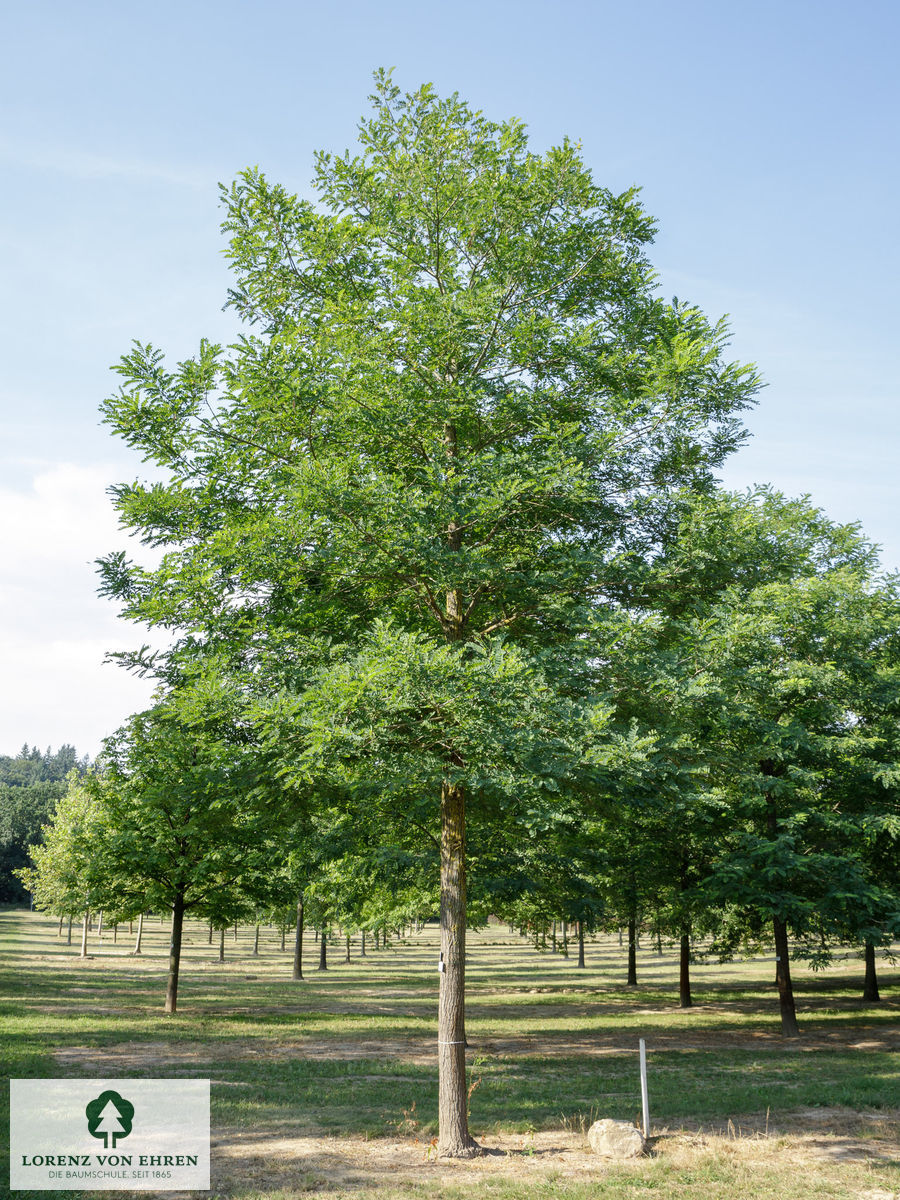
114, 1134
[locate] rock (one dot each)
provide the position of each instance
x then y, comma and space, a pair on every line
616, 1139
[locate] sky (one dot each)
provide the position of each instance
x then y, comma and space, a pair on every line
764, 138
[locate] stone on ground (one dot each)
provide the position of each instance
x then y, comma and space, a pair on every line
616, 1139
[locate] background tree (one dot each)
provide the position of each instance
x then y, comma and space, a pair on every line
63, 877
177, 828
783, 697
30, 785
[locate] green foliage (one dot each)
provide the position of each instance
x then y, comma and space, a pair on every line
30, 785
174, 791
63, 877
460, 425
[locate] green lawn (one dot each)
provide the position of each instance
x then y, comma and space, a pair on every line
349, 1053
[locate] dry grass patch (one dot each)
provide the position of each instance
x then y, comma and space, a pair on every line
253, 1164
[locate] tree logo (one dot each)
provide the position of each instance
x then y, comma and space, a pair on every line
109, 1116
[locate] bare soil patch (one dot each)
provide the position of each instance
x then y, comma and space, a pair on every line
422, 1051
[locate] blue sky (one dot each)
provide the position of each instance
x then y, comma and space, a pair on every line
764, 137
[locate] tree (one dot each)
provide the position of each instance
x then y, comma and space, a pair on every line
174, 826
63, 877
30, 785
460, 413
784, 694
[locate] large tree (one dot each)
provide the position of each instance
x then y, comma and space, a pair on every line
460, 408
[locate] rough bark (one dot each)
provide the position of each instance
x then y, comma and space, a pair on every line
632, 953
684, 972
298, 940
222, 944
175, 952
789, 1026
69, 933
580, 944
870, 990
140, 931
684, 966
84, 933
323, 953
362, 944
454, 1140
256, 943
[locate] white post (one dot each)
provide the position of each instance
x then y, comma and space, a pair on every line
645, 1103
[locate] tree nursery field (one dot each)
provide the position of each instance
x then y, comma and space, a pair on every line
326, 1086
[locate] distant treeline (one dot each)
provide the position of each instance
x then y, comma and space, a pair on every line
30, 785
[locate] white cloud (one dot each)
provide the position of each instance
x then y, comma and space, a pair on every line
55, 629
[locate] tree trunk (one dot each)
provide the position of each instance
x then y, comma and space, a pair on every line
222, 944
175, 952
580, 944
870, 990
454, 1140
235, 931
565, 939
684, 972
298, 940
632, 953
789, 1026
684, 965
69, 934
347, 955
84, 933
362, 943
256, 943
323, 952
100, 926
210, 932
140, 930
59, 931
553, 938
115, 932
283, 936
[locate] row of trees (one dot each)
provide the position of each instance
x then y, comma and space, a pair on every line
453, 595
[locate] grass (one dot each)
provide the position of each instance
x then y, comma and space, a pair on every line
348, 1055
